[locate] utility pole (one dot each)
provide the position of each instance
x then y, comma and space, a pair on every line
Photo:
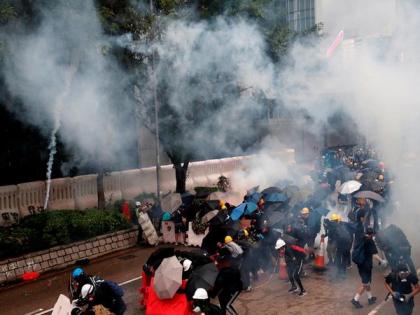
156, 105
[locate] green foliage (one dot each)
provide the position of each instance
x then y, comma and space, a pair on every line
48, 229
7, 13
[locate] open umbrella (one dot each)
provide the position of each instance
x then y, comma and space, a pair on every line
370, 195
202, 277
168, 278
271, 190
349, 187
243, 208
209, 215
254, 197
219, 219
250, 207
275, 197
238, 211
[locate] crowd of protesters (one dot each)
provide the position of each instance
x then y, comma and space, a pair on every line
348, 206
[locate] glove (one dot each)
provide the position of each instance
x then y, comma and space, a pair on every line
396, 295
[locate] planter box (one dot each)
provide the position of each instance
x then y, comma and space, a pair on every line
62, 256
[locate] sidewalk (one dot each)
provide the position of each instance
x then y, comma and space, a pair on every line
27, 297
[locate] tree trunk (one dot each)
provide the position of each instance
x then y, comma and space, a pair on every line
181, 176
100, 188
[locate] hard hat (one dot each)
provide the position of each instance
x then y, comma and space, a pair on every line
335, 217
228, 239
77, 272
200, 294
86, 290
381, 165
304, 211
280, 243
186, 264
222, 203
138, 203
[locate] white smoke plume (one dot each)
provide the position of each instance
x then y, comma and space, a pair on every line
94, 107
372, 77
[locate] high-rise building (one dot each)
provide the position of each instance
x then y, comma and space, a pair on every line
300, 14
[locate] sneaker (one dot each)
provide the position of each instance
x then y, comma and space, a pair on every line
356, 303
292, 289
372, 300
302, 293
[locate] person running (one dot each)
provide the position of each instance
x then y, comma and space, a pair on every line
228, 284
294, 256
201, 304
363, 254
402, 286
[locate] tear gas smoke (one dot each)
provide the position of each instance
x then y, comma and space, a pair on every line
372, 77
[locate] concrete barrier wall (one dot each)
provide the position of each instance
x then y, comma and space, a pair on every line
80, 192
62, 256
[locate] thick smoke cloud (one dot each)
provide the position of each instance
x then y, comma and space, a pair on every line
61, 73
373, 79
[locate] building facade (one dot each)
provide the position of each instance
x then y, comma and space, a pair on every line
300, 14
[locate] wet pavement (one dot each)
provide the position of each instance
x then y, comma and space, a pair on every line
270, 296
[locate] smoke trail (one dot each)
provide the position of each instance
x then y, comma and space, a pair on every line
58, 108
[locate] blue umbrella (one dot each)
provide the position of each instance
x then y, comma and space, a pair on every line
243, 208
275, 197
238, 212
254, 197
250, 207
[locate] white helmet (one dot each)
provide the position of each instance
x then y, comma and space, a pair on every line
186, 264
86, 290
280, 243
138, 203
200, 294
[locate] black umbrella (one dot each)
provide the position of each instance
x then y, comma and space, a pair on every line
219, 219
271, 190
370, 195
202, 277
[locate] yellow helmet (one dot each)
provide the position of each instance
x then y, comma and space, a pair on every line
228, 239
222, 203
336, 217
304, 211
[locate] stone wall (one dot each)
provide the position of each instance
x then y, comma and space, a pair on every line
80, 192
62, 256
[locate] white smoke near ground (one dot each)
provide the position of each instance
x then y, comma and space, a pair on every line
93, 106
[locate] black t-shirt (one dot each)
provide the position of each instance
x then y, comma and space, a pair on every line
403, 286
370, 250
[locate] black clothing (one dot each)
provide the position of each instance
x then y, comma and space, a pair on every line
211, 309
402, 286
227, 287
363, 256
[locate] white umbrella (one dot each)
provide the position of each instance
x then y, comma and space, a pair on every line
349, 187
168, 278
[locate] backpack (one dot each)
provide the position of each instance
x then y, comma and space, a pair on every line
115, 287
358, 254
